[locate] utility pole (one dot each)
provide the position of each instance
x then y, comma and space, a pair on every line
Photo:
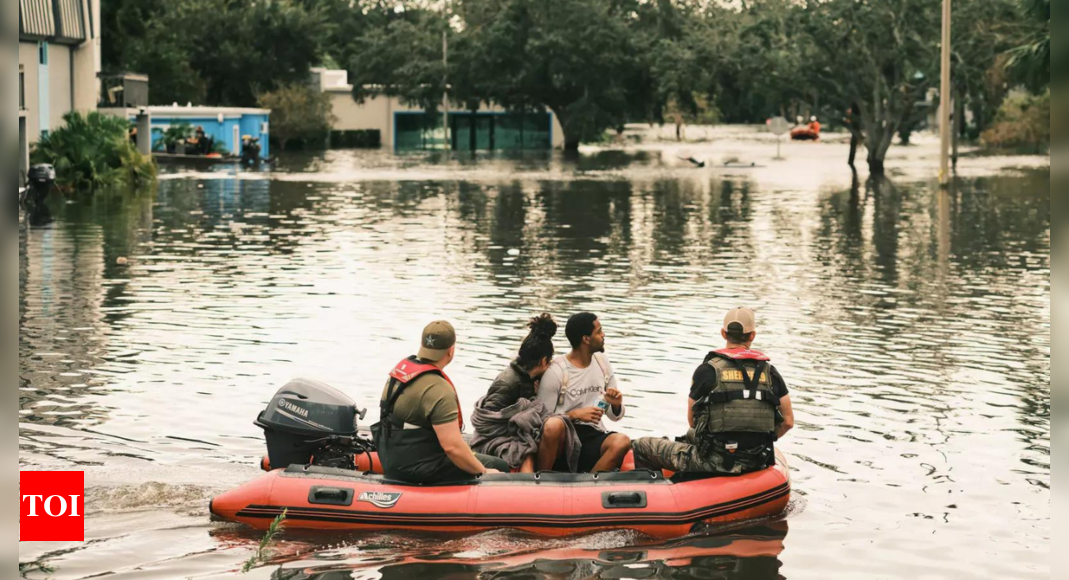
445, 92
945, 102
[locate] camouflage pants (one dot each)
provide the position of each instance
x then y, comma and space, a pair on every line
657, 454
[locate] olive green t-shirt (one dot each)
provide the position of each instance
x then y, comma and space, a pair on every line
427, 402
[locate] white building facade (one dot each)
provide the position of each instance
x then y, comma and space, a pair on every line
405, 128
59, 64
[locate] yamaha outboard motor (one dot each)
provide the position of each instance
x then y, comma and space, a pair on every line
42, 177
311, 423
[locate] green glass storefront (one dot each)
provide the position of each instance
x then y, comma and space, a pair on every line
474, 132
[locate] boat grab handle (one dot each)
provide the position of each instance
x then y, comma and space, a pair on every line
623, 500
330, 496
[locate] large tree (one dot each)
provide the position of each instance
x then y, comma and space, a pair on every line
345, 21
881, 54
684, 54
983, 31
214, 52
576, 58
765, 69
403, 57
128, 26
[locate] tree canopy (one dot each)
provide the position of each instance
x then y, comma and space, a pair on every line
1030, 61
214, 52
597, 64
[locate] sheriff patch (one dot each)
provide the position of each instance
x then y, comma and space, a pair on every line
735, 376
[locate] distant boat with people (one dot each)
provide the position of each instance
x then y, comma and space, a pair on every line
808, 132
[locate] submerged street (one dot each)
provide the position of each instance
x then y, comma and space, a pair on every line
911, 325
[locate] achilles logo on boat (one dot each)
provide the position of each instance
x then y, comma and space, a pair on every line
380, 499
51, 506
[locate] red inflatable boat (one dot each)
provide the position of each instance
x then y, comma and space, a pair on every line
548, 504
805, 134
329, 485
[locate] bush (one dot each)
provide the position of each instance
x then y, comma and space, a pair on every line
1022, 123
172, 137
93, 152
298, 112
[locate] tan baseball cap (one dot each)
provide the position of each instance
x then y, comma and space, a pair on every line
742, 316
438, 338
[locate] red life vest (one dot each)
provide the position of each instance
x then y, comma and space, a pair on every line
743, 353
409, 370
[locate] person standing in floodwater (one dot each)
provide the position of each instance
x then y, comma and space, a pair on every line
852, 121
739, 406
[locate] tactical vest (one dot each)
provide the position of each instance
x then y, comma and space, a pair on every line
742, 402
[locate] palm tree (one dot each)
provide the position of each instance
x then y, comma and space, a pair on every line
1030, 62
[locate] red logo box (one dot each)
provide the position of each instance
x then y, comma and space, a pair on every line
52, 506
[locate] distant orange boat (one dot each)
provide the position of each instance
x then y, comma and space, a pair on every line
807, 133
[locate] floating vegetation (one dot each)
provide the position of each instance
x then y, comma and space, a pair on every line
263, 551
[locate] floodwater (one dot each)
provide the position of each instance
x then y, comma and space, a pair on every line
912, 326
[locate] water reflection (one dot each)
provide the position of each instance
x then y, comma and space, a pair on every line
746, 554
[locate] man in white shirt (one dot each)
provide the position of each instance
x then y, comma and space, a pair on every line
582, 385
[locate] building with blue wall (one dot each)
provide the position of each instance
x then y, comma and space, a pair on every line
226, 125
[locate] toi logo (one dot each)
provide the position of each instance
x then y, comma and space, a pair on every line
52, 506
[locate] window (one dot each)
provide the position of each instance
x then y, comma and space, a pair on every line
22, 88
418, 131
42, 48
92, 22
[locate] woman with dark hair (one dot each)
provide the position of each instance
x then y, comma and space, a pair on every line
509, 421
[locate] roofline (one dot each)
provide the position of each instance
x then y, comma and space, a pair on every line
205, 111
186, 112
60, 40
124, 75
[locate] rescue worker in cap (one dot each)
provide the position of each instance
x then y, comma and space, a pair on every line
420, 432
739, 406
